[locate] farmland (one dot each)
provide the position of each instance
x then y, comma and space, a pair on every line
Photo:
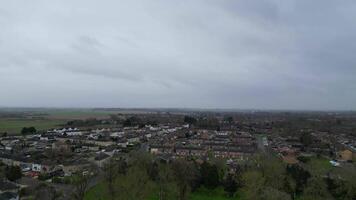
14, 126
12, 120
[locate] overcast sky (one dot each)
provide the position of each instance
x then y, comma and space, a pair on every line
263, 54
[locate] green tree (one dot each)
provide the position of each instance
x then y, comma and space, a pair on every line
134, 185
185, 173
267, 179
229, 119
306, 139
221, 167
13, 173
209, 175
81, 185
273, 170
4, 134
190, 120
270, 193
167, 187
253, 185
230, 185
300, 177
28, 130
316, 189
342, 183
256, 188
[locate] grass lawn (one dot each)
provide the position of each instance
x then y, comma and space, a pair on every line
98, 192
319, 165
14, 126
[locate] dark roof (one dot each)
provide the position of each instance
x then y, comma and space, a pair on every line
101, 156
8, 195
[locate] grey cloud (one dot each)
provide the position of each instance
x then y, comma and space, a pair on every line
280, 54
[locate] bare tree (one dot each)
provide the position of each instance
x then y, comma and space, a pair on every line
184, 173
81, 185
46, 192
110, 175
135, 184
167, 188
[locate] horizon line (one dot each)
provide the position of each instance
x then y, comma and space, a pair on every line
180, 108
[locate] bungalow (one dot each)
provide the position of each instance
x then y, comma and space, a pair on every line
345, 155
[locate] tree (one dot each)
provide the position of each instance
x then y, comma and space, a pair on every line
210, 175
24, 131
132, 121
153, 171
253, 184
273, 170
221, 167
229, 119
270, 193
127, 123
81, 184
300, 177
184, 173
209, 123
268, 180
230, 185
350, 186
167, 187
306, 139
134, 185
342, 183
46, 192
189, 120
4, 134
3, 169
122, 166
13, 173
256, 188
110, 174
316, 189
28, 130
32, 130
289, 186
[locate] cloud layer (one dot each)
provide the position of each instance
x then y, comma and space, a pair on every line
267, 54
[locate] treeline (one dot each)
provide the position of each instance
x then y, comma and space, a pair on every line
28, 130
86, 123
113, 120
263, 177
10, 173
203, 122
138, 175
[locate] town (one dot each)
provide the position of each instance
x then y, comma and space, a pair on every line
84, 147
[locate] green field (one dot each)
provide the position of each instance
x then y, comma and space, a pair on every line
98, 192
43, 119
14, 126
78, 114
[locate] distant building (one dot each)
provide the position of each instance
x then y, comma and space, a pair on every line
345, 155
